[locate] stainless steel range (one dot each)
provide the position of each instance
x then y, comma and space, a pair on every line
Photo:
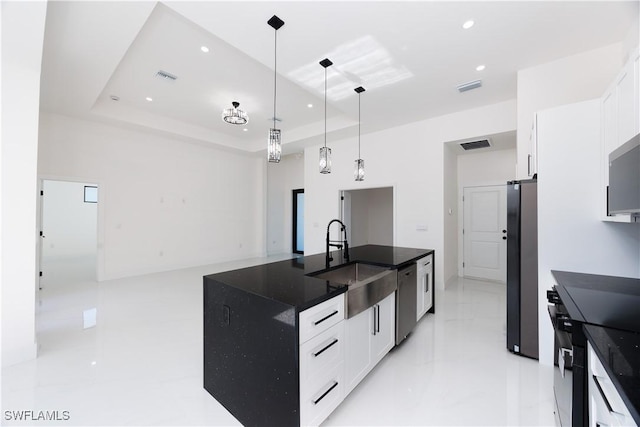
566, 365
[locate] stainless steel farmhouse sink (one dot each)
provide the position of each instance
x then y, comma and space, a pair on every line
367, 284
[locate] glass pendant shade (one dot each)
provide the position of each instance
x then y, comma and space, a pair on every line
274, 147
358, 173
325, 160
234, 115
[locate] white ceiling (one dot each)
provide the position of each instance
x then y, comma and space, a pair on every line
410, 56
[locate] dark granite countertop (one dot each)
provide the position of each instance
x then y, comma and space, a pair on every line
288, 281
619, 352
600, 300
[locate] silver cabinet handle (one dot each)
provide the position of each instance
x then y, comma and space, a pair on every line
529, 165
375, 316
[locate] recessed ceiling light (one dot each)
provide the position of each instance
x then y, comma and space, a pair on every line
204, 49
480, 67
309, 105
468, 24
245, 130
149, 99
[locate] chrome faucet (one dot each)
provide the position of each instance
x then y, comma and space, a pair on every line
337, 243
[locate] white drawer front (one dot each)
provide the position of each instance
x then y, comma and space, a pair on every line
425, 262
322, 397
601, 388
319, 355
321, 317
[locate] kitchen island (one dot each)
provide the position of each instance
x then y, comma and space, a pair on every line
261, 323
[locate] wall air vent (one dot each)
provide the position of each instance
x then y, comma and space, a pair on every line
469, 85
474, 145
166, 76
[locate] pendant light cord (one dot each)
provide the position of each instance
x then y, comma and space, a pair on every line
325, 107
275, 74
358, 126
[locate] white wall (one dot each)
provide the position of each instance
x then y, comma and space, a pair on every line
167, 204
571, 236
408, 157
69, 223
478, 169
450, 214
572, 79
359, 221
282, 178
21, 62
380, 214
486, 168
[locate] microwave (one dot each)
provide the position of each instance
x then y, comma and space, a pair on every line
624, 179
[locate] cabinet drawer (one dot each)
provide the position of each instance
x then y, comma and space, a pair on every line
321, 317
319, 355
322, 397
425, 263
602, 389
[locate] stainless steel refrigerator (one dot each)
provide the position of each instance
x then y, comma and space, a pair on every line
522, 267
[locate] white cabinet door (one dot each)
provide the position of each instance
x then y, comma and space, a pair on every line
369, 337
425, 286
384, 336
626, 96
358, 332
620, 122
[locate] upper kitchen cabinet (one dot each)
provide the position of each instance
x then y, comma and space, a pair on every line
620, 121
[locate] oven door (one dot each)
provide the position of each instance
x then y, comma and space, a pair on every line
563, 360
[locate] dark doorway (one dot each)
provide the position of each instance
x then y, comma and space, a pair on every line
298, 221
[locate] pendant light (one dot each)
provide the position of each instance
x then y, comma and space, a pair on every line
325, 152
359, 164
274, 144
235, 115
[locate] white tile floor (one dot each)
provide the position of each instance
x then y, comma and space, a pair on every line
142, 363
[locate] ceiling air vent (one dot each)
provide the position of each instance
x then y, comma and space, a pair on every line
470, 85
474, 145
166, 76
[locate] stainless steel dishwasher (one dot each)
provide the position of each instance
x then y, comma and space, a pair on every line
406, 301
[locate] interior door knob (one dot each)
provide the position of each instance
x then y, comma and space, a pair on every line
504, 231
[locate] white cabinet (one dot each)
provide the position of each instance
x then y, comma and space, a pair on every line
322, 350
620, 121
384, 337
606, 407
424, 298
369, 336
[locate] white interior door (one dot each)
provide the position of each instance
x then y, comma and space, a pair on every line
485, 245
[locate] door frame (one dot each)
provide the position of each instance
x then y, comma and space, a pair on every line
347, 221
461, 220
294, 221
100, 268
